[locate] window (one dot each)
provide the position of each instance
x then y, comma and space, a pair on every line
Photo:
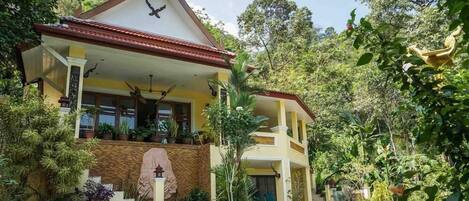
180, 112
107, 110
128, 111
300, 132
112, 110
87, 119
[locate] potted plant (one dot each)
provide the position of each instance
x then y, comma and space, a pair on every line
105, 131
89, 115
124, 131
141, 133
173, 131
159, 131
187, 137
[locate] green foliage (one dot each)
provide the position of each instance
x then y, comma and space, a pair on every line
234, 124
124, 128
381, 192
104, 128
17, 18
278, 30
437, 92
197, 194
228, 41
42, 154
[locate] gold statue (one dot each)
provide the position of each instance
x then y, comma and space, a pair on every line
437, 58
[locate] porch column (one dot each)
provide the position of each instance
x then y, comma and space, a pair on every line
74, 85
282, 118
304, 133
283, 184
308, 184
222, 94
294, 125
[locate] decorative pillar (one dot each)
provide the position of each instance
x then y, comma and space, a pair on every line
282, 118
158, 184
308, 186
294, 125
283, 184
74, 85
304, 132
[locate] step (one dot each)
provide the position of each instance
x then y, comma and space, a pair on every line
118, 196
95, 179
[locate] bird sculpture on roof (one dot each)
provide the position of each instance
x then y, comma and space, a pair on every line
437, 58
155, 12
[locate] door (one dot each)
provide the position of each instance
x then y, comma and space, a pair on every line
265, 188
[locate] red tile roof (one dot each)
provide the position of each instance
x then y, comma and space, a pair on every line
290, 96
123, 38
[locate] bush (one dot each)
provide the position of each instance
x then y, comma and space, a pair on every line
197, 195
41, 152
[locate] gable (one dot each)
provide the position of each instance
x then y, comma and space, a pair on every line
174, 21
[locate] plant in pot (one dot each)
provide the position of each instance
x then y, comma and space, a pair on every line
187, 137
141, 133
105, 131
124, 131
159, 131
173, 131
88, 117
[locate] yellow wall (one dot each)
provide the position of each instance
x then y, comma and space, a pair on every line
51, 95
198, 99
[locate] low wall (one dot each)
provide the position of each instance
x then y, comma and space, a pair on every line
119, 160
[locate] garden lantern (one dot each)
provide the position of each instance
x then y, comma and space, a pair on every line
158, 171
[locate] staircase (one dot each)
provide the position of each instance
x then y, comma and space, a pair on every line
118, 195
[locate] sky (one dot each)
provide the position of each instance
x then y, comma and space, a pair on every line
326, 13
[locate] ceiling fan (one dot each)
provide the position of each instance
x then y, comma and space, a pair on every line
136, 92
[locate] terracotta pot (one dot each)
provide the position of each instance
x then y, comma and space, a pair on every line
156, 138
89, 134
139, 138
107, 136
187, 140
123, 137
171, 140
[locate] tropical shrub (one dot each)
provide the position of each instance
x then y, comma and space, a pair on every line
197, 194
381, 192
40, 149
234, 124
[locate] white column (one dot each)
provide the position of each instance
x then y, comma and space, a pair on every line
281, 128
294, 125
158, 189
284, 182
76, 67
308, 186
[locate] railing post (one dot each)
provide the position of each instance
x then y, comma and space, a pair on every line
158, 184
158, 189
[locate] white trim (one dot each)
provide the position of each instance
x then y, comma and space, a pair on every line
147, 96
55, 54
262, 158
278, 129
72, 61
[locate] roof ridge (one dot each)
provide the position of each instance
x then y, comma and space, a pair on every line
144, 34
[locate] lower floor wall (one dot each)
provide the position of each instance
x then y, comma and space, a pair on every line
119, 161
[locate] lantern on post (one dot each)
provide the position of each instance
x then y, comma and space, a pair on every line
64, 102
158, 171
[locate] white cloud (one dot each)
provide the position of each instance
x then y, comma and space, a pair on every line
229, 27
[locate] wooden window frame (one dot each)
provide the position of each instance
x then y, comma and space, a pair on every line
118, 98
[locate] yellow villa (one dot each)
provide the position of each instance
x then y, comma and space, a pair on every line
141, 61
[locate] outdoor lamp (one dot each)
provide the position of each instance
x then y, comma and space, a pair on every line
158, 171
